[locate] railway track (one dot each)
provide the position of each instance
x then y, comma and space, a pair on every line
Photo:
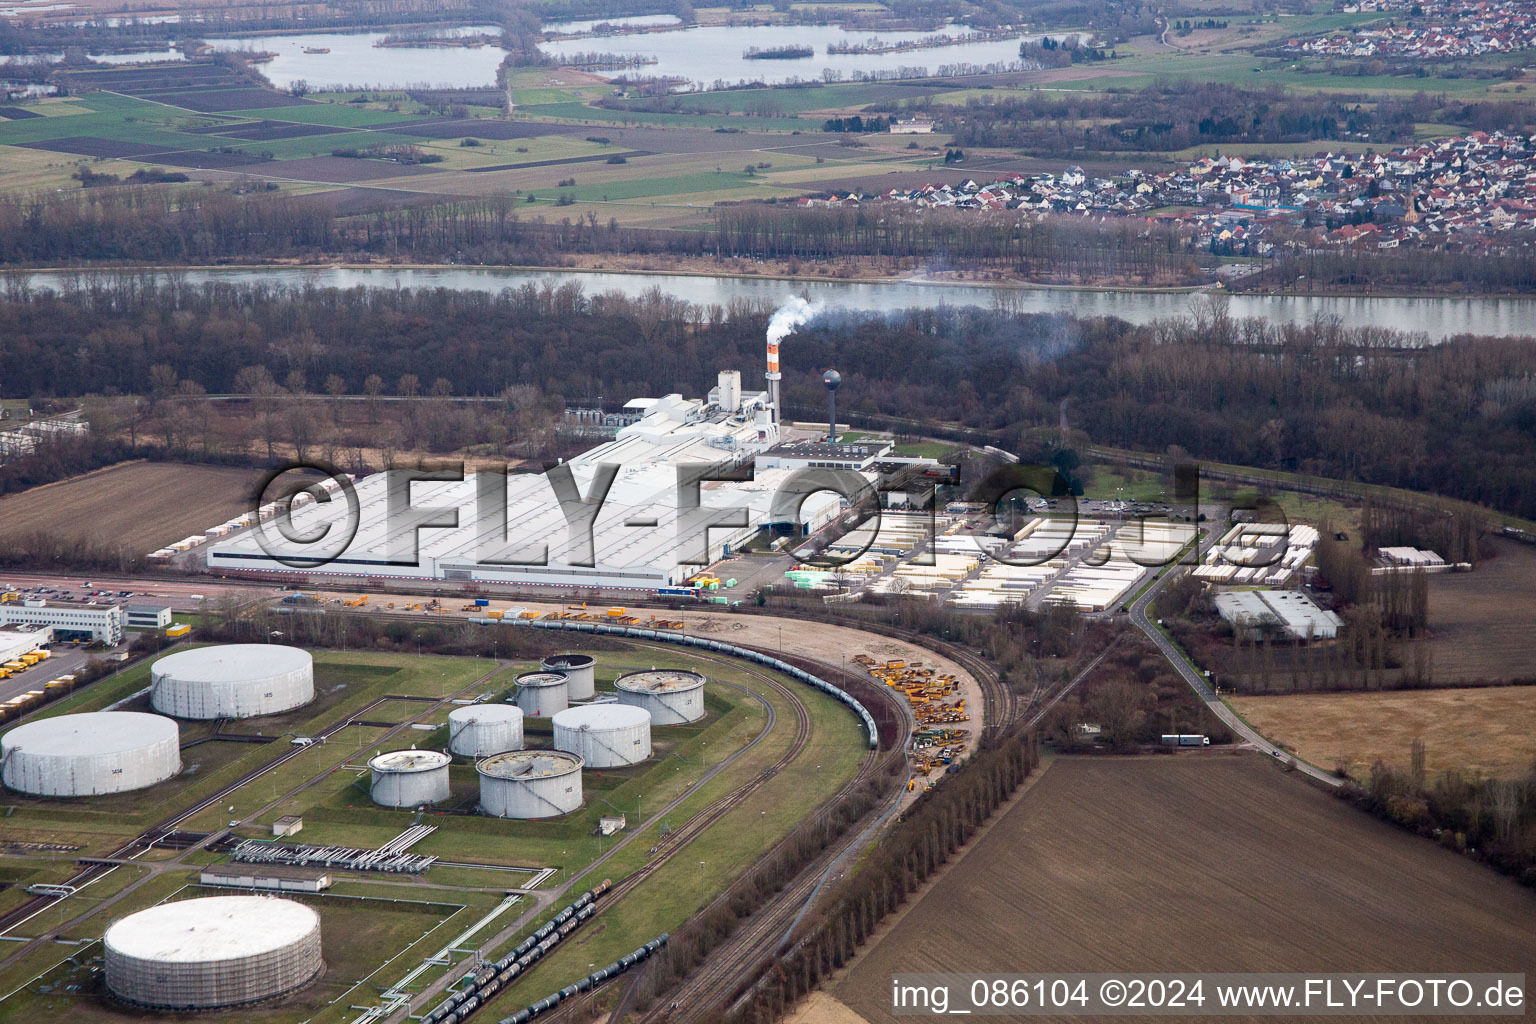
168, 827
679, 838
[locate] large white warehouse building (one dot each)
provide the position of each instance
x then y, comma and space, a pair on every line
232, 681
219, 951
513, 529
90, 754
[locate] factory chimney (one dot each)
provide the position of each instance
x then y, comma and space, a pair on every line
833, 380
785, 319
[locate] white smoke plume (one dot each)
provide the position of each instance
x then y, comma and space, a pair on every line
787, 317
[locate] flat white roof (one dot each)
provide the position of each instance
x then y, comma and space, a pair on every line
212, 929
232, 663
92, 732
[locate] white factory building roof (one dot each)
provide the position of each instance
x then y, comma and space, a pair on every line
1291, 611
640, 538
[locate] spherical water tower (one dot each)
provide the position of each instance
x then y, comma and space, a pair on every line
215, 952
91, 754
671, 696
605, 735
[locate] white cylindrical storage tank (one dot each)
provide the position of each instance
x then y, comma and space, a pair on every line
409, 778
91, 754
578, 670
672, 696
233, 681
542, 694
530, 784
481, 730
605, 735
214, 952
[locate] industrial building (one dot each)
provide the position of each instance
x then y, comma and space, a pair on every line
90, 754
148, 616
605, 735
530, 784
513, 529
543, 694
18, 638
669, 696
579, 672
232, 681
1288, 613
214, 952
409, 778
481, 730
272, 877
99, 622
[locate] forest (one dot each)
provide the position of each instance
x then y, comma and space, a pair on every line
1366, 404
1174, 115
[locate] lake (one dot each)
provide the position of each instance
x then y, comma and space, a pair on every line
1438, 318
353, 60
712, 54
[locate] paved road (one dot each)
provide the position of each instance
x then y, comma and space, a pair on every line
1197, 682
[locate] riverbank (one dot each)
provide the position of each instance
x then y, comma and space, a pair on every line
742, 269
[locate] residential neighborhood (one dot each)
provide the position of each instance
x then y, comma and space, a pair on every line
1436, 29
1477, 190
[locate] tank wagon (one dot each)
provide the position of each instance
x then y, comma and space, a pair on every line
579, 671
215, 952
492, 978
671, 696
232, 681
687, 640
409, 778
481, 730
605, 735
90, 754
543, 694
530, 784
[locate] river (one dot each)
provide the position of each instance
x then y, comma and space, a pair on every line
1438, 318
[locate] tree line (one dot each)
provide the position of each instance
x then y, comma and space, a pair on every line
1367, 404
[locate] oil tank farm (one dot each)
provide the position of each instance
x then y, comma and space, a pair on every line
671, 696
215, 952
605, 735
542, 694
530, 784
232, 681
481, 730
578, 670
409, 778
91, 754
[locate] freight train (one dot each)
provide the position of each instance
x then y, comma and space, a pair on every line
492, 978
597, 977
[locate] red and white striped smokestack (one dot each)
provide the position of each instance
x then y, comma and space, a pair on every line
785, 319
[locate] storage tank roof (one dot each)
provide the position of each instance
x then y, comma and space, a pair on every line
229, 663
656, 680
530, 764
486, 713
92, 732
601, 716
540, 679
211, 929
409, 760
559, 661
